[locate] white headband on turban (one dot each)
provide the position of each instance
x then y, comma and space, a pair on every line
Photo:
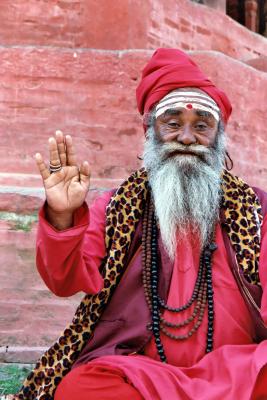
189, 100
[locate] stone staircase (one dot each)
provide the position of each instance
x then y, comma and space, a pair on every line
74, 66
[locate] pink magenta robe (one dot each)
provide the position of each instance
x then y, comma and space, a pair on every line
68, 262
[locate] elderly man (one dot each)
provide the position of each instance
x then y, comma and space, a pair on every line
172, 261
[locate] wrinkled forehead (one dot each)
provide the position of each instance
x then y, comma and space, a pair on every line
188, 98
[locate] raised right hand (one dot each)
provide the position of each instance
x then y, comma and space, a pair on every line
66, 189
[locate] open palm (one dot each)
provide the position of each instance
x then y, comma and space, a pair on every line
67, 188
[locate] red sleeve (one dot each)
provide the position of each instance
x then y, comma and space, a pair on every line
69, 260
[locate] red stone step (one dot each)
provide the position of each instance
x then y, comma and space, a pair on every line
126, 25
92, 96
20, 354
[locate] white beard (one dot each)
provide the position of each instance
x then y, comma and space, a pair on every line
185, 188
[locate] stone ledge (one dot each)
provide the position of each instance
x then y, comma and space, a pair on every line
26, 355
17, 197
135, 25
259, 63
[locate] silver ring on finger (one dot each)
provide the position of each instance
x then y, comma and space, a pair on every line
54, 168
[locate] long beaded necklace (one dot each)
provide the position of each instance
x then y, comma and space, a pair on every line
202, 294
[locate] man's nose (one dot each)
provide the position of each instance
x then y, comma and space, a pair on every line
186, 136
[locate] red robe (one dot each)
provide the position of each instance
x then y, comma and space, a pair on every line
68, 262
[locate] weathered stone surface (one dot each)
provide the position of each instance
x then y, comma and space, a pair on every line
84, 96
28, 200
126, 24
259, 63
19, 203
29, 314
92, 96
192, 26
19, 354
80, 23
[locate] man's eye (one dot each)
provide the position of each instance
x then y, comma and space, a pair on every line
175, 125
201, 126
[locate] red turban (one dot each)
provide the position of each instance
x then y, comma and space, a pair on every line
170, 69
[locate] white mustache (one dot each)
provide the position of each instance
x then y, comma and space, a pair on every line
170, 149
179, 148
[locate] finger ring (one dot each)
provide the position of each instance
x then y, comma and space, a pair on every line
54, 168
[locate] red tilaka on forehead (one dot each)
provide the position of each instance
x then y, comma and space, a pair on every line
188, 99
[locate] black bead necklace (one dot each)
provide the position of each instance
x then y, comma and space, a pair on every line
154, 293
202, 293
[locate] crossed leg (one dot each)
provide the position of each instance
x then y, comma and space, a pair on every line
96, 382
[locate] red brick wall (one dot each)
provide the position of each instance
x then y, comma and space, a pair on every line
74, 66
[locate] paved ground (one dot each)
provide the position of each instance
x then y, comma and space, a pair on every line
12, 376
